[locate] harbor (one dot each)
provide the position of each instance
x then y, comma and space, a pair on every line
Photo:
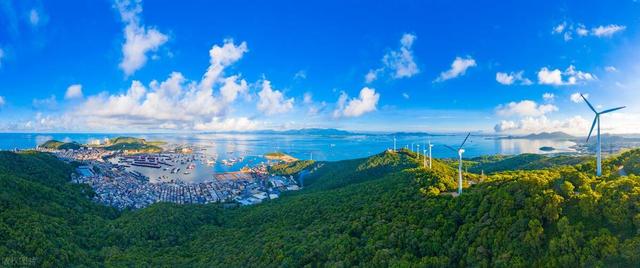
136, 181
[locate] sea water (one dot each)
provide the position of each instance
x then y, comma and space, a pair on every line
252, 147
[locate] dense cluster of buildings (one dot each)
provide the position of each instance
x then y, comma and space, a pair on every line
115, 185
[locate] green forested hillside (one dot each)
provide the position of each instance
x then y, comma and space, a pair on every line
386, 210
58, 145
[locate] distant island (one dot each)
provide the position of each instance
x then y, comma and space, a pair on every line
280, 156
59, 145
547, 149
127, 144
558, 135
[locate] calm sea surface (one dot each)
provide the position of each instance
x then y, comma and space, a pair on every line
251, 147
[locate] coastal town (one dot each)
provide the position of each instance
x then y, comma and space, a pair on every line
115, 183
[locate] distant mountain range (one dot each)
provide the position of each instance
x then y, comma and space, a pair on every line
307, 131
558, 135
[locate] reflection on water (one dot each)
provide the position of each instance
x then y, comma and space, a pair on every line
332, 148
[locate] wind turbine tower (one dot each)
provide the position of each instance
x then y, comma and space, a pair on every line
460, 151
418, 152
394, 144
598, 145
430, 146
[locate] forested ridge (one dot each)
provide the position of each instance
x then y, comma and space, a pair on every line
385, 210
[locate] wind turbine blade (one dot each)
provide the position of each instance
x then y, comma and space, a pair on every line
592, 126
450, 148
611, 110
590, 106
465, 140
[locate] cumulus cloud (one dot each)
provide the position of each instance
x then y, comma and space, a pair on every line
512, 78
227, 124
570, 76
458, 67
73, 92
531, 124
372, 75
548, 97
400, 63
607, 30
2, 101
364, 103
525, 108
567, 30
173, 103
575, 97
139, 39
273, 101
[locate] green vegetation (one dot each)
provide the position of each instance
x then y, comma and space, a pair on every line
58, 145
133, 145
522, 162
291, 168
385, 210
280, 156
274, 154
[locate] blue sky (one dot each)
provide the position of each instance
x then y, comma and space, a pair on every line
503, 66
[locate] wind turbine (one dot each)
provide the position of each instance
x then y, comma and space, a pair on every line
460, 151
430, 146
394, 144
418, 152
598, 146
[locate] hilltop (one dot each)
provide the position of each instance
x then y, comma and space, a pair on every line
58, 145
132, 145
383, 210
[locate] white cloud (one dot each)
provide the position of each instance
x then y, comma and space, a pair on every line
405, 95
399, 62
574, 125
575, 97
273, 101
567, 30
73, 92
139, 40
458, 68
231, 88
581, 30
364, 103
49, 103
227, 124
34, 17
308, 98
173, 103
560, 28
219, 58
570, 76
511, 78
2, 101
525, 108
610, 69
548, 97
1, 56
608, 30
372, 75
302, 74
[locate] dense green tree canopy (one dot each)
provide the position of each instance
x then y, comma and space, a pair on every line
385, 210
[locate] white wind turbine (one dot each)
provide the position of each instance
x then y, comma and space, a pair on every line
460, 151
598, 145
430, 146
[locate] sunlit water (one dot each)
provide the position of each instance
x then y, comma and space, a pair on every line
331, 148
